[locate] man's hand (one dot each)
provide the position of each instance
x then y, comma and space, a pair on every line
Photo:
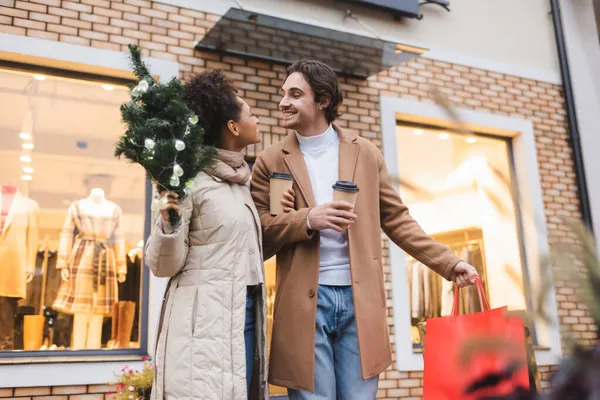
337, 215
464, 274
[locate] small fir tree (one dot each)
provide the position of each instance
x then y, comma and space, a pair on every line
163, 134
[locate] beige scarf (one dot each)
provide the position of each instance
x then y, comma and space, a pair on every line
230, 166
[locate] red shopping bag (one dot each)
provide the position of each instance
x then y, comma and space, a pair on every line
475, 356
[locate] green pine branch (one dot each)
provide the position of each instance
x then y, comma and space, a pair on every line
139, 67
158, 119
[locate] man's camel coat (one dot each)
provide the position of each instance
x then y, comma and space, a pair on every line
378, 207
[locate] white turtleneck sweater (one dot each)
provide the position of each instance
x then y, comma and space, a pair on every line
321, 155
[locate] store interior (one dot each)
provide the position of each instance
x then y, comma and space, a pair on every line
460, 190
72, 216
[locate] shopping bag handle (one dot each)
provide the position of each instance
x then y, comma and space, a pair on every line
483, 301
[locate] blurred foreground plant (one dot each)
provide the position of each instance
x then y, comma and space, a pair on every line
578, 375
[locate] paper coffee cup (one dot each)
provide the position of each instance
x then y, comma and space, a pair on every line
345, 191
279, 184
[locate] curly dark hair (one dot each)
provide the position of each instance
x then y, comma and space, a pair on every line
324, 83
214, 100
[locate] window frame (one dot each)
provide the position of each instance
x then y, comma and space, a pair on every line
56, 368
530, 211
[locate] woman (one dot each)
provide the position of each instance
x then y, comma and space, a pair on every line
212, 332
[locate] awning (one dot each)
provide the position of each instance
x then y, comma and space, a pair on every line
264, 37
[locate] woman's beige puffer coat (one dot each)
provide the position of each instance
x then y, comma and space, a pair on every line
200, 351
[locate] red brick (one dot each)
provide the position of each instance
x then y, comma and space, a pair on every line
123, 24
42, 34
164, 7
181, 19
13, 12
165, 39
125, 7
194, 29
99, 3
87, 397
76, 6
75, 40
7, 3
25, 23
122, 39
32, 391
153, 29
44, 17
55, 3
77, 23
113, 30
5, 20
165, 24
181, 51
192, 13
137, 18
181, 34
139, 3
106, 45
93, 35
108, 12
96, 19
51, 398
31, 6
6, 392
136, 34
153, 45
62, 29
163, 55
13, 30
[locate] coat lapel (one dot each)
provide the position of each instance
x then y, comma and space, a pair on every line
11, 213
348, 155
294, 160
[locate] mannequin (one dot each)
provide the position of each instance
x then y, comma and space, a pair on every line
19, 217
92, 260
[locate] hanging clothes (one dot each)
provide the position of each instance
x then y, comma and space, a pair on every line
130, 289
53, 281
93, 248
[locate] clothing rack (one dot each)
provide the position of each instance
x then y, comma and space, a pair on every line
470, 239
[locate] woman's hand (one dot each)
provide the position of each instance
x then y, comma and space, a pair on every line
172, 204
288, 200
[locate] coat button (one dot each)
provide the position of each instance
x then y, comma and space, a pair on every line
311, 293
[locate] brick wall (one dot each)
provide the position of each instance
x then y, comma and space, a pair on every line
170, 33
89, 392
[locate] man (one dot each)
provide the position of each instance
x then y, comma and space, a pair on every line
330, 334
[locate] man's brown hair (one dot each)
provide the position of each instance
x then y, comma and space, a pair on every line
324, 83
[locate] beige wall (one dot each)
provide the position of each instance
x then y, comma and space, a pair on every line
583, 48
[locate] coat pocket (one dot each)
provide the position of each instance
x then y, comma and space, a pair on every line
194, 311
379, 277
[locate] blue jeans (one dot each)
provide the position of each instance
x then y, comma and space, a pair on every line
250, 334
337, 359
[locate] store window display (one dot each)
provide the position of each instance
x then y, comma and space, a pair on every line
460, 189
72, 217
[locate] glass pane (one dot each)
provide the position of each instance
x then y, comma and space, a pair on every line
459, 189
72, 217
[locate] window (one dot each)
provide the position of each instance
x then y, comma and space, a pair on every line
461, 192
73, 218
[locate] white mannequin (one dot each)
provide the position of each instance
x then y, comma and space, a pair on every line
87, 328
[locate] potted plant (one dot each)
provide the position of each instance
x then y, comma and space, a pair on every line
134, 384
